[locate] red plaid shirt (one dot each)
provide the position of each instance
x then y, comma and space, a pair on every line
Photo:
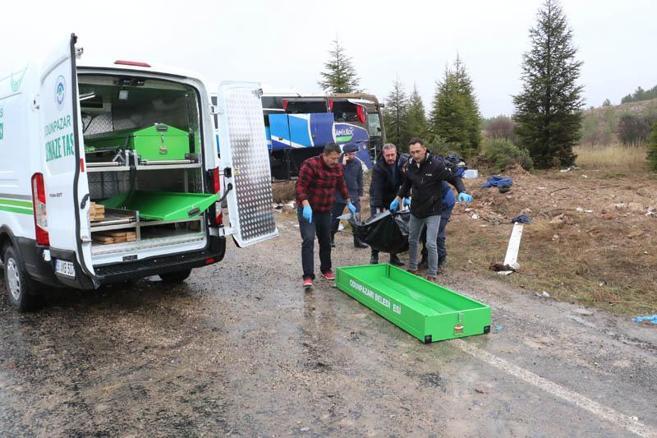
317, 183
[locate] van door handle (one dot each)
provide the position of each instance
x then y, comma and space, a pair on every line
83, 203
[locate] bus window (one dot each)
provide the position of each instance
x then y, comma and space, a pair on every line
344, 111
306, 107
374, 125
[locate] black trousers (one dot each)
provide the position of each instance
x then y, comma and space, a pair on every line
320, 228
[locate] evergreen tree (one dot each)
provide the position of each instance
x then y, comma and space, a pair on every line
339, 75
652, 148
455, 118
549, 107
395, 116
416, 117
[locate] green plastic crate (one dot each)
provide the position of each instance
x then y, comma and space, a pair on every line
154, 143
162, 206
424, 309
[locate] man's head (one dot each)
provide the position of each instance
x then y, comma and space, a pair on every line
350, 151
389, 153
331, 154
417, 150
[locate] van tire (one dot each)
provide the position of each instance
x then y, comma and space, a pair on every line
21, 289
175, 277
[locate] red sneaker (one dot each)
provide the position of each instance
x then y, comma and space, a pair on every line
307, 283
328, 275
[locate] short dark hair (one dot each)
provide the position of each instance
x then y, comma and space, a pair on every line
415, 140
332, 147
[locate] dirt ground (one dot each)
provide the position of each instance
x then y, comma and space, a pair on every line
240, 349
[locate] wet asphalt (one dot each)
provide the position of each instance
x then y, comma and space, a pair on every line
240, 349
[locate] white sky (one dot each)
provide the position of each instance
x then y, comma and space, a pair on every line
284, 44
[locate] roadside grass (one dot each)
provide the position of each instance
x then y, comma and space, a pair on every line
613, 158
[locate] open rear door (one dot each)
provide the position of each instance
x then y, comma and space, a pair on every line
245, 163
66, 186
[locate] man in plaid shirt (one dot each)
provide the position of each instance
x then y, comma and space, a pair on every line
319, 179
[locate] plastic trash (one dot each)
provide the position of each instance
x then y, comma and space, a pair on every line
650, 318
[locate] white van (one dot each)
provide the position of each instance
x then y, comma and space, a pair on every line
110, 173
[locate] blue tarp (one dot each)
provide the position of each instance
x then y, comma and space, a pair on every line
497, 181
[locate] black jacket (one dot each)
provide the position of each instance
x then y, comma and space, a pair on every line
353, 176
425, 184
386, 181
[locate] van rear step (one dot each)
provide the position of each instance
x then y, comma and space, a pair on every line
426, 310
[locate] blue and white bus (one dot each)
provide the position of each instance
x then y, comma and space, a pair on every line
299, 126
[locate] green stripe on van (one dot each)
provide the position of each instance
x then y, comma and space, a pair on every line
16, 202
16, 209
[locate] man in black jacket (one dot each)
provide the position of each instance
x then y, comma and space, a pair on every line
423, 182
386, 180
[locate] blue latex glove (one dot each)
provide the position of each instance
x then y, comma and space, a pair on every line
406, 202
352, 208
464, 197
394, 205
308, 214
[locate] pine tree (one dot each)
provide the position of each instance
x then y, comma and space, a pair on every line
340, 75
652, 148
417, 119
549, 107
455, 119
395, 116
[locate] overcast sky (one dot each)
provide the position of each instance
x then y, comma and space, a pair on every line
284, 44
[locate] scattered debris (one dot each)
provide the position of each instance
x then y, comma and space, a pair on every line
652, 319
543, 294
569, 169
583, 312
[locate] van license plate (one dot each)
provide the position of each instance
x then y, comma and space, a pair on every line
65, 268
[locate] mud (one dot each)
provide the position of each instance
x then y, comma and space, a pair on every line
240, 349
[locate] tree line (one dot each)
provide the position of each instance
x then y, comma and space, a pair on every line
546, 123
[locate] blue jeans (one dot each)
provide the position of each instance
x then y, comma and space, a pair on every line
415, 229
442, 248
320, 228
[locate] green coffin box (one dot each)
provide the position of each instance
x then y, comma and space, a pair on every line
154, 143
426, 310
162, 206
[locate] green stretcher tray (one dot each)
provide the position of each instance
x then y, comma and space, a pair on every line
153, 143
162, 206
426, 310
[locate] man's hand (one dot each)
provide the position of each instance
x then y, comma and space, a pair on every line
464, 197
394, 205
308, 213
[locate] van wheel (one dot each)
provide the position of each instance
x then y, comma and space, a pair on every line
21, 289
175, 277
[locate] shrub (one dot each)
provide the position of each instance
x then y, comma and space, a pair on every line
652, 148
502, 153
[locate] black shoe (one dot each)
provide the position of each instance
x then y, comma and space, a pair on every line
394, 260
374, 260
423, 264
358, 243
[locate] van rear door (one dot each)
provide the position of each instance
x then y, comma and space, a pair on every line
66, 185
245, 163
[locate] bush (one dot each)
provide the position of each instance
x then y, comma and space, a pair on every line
502, 153
652, 148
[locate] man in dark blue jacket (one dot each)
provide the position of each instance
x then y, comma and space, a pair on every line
386, 180
353, 177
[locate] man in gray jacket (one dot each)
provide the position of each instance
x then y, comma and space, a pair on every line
353, 177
